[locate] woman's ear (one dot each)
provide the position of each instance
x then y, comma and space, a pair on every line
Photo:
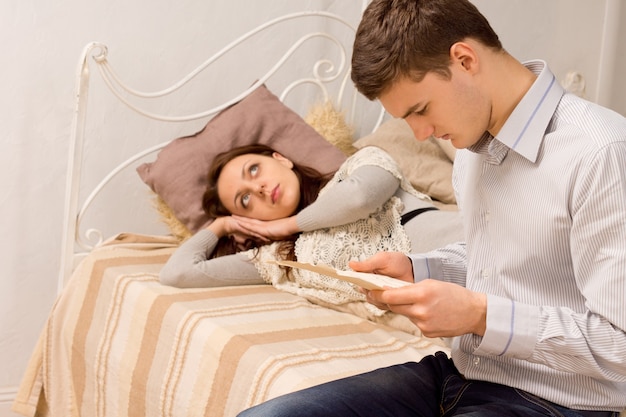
280, 158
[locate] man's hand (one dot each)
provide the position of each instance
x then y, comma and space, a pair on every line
393, 264
438, 308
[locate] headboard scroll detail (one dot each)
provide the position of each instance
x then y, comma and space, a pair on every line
329, 75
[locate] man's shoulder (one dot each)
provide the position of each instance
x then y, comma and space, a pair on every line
599, 124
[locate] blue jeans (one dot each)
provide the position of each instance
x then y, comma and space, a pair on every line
432, 387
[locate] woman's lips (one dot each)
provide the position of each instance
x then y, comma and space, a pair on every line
275, 194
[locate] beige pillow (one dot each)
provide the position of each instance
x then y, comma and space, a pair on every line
178, 175
331, 124
176, 228
425, 164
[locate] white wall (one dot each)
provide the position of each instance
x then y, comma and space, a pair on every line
582, 35
41, 44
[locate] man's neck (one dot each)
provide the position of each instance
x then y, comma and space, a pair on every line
509, 81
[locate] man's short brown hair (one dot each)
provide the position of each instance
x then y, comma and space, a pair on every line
398, 38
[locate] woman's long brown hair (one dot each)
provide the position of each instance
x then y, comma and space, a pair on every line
311, 182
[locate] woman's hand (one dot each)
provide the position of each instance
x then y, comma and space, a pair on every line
230, 226
268, 229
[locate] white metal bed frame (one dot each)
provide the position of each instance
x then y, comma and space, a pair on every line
75, 244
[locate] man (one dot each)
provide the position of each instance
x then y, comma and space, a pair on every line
535, 300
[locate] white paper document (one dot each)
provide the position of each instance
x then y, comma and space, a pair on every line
361, 279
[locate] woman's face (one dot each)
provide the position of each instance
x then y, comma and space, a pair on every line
258, 186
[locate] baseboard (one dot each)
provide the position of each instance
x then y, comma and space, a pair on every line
7, 394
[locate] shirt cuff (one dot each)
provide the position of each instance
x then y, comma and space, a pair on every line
512, 328
425, 267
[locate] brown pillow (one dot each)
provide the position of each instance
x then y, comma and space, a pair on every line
427, 165
178, 175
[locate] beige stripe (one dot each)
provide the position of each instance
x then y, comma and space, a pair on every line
188, 325
239, 344
272, 369
135, 316
87, 314
152, 329
112, 319
247, 314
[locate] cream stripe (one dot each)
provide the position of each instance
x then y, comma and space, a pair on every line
150, 339
87, 313
112, 331
240, 343
268, 372
184, 338
135, 323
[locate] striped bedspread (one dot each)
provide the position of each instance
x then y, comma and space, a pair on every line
117, 343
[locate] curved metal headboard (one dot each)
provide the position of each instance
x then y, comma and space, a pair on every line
323, 73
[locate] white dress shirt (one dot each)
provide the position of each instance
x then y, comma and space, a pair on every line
544, 209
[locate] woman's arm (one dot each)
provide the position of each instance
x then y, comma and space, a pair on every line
190, 266
354, 198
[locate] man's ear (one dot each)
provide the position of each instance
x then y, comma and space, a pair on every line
462, 53
285, 161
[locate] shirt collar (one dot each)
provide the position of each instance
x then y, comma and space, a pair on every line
523, 131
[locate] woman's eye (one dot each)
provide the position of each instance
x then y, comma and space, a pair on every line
245, 200
254, 169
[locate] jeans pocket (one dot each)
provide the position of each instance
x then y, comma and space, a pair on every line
540, 403
453, 388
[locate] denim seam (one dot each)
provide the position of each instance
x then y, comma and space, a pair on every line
539, 402
457, 397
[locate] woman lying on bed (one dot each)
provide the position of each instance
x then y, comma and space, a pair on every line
367, 206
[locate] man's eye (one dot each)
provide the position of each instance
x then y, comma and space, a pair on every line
245, 200
422, 111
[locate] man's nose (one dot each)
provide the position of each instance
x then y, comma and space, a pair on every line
421, 130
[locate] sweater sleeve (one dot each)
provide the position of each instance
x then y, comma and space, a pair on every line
354, 198
189, 266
